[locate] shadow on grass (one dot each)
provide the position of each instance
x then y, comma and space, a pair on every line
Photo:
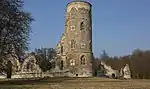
45, 81
34, 81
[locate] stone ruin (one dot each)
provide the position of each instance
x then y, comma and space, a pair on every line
30, 68
124, 73
27, 69
109, 71
29, 65
56, 71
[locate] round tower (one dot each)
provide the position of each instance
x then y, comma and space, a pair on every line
78, 42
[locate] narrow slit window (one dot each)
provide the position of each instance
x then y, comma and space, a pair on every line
61, 65
82, 26
73, 43
62, 49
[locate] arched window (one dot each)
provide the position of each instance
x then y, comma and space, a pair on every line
61, 65
73, 43
82, 26
72, 62
83, 60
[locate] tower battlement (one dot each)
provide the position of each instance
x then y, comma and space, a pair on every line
78, 4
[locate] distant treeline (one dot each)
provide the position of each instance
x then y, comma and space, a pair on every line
139, 62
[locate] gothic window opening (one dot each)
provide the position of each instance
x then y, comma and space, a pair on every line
83, 60
73, 43
72, 62
82, 26
61, 65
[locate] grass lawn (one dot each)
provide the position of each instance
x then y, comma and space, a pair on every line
74, 83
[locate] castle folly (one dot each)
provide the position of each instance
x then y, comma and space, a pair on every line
75, 45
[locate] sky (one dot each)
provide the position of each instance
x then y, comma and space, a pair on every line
119, 26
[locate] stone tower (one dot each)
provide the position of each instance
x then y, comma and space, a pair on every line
78, 34
75, 46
